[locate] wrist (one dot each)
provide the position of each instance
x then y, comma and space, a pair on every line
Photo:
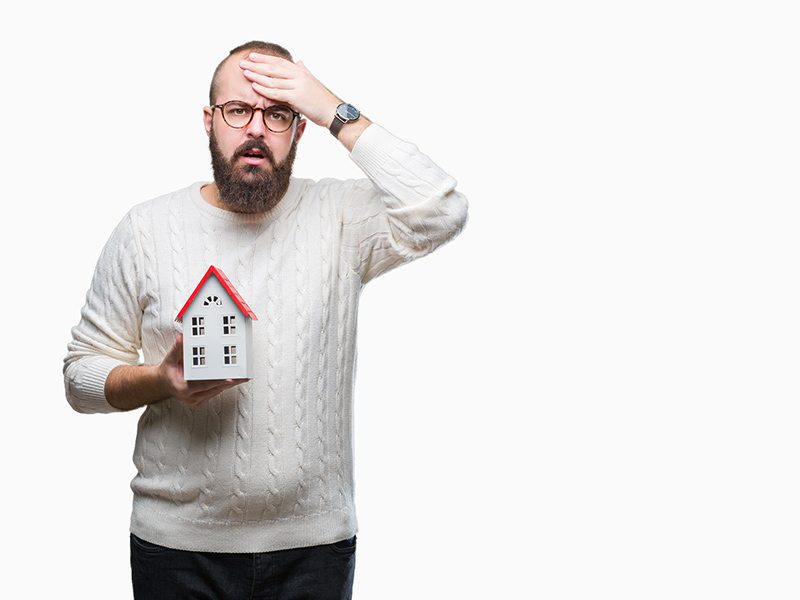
350, 133
128, 387
344, 114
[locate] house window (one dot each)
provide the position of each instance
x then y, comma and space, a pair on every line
229, 355
199, 356
212, 300
229, 325
198, 326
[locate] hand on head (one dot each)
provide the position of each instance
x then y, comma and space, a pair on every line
282, 81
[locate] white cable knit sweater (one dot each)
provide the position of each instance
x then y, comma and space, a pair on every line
267, 465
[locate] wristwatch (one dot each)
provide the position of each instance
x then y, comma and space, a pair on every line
345, 113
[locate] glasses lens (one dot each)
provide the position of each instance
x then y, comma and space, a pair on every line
237, 114
278, 118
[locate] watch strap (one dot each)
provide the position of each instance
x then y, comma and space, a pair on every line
336, 125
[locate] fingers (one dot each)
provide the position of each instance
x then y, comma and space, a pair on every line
280, 80
176, 352
270, 88
196, 392
269, 61
272, 83
268, 81
200, 392
270, 66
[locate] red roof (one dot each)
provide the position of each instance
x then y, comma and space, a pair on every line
228, 288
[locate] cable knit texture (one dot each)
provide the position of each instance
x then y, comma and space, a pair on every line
267, 465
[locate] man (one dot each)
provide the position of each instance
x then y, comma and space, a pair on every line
243, 485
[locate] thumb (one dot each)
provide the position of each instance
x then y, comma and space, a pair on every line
174, 357
176, 352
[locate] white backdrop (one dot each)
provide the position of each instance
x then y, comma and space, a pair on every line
592, 393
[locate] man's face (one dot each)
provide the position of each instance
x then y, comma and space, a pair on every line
251, 165
256, 186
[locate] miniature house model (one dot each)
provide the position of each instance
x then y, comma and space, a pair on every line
217, 331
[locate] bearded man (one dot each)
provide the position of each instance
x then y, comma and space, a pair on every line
244, 488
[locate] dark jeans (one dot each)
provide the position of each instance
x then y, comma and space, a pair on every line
318, 573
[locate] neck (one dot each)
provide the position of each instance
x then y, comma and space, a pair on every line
210, 194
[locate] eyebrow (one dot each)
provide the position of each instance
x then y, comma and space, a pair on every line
286, 106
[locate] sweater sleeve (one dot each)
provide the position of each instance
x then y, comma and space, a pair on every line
108, 334
407, 208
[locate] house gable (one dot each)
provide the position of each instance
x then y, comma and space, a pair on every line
226, 284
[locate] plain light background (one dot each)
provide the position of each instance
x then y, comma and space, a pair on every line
592, 393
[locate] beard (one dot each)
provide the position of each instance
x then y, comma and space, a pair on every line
249, 188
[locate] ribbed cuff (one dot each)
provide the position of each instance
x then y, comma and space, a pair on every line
87, 392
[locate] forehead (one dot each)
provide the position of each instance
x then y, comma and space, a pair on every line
233, 85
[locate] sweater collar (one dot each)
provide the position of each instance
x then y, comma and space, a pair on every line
288, 201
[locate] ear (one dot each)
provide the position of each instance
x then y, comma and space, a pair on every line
301, 128
208, 117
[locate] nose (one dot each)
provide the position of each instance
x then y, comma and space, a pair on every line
256, 128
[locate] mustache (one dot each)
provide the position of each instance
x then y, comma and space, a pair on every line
255, 145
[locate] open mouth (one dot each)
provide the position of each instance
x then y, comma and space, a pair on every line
254, 157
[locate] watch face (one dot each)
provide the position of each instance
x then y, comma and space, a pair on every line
348, 112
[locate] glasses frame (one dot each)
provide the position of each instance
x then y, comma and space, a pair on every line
295, 115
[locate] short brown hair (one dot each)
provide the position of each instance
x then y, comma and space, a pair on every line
252, 46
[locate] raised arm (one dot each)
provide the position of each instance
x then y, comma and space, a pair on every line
281, 80
410, 209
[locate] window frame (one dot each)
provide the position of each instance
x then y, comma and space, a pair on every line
229, 356
199, 357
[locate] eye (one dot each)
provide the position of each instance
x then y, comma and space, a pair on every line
279, 115
237, 109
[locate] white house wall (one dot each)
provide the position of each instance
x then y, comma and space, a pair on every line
213, 340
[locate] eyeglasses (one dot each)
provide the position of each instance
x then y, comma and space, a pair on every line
238, 114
